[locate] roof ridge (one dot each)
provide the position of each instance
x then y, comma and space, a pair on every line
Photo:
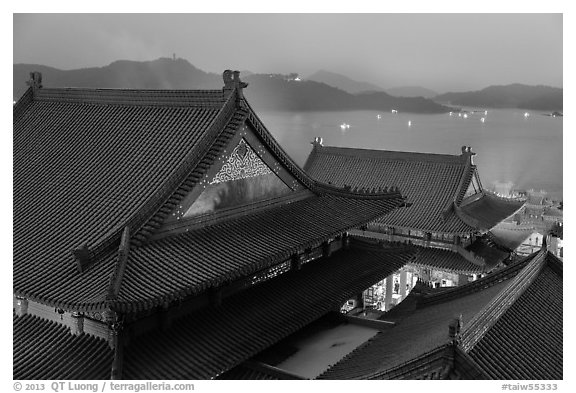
412, 362
154, 97
276, 149
487, 317
87, 254
475, 286
191, 180
118, 273
358, 193
387, 154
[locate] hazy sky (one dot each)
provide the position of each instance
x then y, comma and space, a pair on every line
438, 51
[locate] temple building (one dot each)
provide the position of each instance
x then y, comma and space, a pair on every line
447, 221
506, 325
167, 235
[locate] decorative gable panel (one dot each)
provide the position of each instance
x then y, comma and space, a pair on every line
246, 173
244, 179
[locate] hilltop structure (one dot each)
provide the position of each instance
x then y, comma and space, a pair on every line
449, 214
167, 235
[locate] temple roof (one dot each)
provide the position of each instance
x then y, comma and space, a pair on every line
47, 350
446, 260
490, 310
487, 211
92, 166
510, 235
213, 340
491, 252
435, 184
528, 336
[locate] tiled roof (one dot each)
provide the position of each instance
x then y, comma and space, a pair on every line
418, 333
213, 340
490, 309
188, 264
90, 164
445, 260
553, 212
484, 213
490, 252
526, 341
47, 350
433, 183
247, 371
429, 181
510, 235
86, 164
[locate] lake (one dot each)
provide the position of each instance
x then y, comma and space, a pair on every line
509, 146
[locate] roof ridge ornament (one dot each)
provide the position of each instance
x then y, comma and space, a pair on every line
467, 153
232, 82
317, 142
35, 81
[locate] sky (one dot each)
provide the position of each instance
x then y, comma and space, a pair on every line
443, 52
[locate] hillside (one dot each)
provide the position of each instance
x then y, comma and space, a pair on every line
266, 92
411, 91
162, 73
342, 82
509, 96
277, 93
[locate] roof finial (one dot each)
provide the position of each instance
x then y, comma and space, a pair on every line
35, 81
232, 81
467, 153
239, 85
317, 142
228, 82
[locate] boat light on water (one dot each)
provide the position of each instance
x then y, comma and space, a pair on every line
526, 114
450, 113
482, 120
485, 113
394, 111
379, 117
344, 126
465, 115
409, 123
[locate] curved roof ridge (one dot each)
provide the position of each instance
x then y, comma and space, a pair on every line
478, 285
118, 273
147, 97
363, 153
87, 254
314, 185
487, 211
357, 193
480, 324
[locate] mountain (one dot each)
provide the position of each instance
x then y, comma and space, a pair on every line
265, 91
163, 73
275, 92
411, 91
508, 96
342, 82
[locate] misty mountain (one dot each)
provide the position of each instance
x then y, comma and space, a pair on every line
508, 96
265, 92
342, 82
411, 91
163, 73
275, 92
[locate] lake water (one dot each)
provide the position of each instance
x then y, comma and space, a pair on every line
509, 146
